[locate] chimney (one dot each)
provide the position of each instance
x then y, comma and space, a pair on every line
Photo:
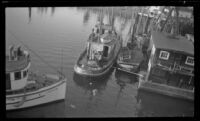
11, 47
15, 54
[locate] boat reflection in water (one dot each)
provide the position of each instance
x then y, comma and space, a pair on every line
92, 85
122, 79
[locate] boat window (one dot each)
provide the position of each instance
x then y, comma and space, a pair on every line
17, 75
164, 55
7, 77
105, 51
25, 73
189, 61
8, 84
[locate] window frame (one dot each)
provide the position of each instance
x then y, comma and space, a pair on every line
164, 58
186, 61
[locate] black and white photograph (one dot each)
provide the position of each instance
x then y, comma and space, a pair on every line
99, 61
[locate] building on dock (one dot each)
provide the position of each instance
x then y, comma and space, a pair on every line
170, 67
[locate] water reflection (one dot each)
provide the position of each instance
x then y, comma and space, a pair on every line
122, 79
157, 105
93, 87
44, 10
112, 12
29, 14
86, 17
52, 10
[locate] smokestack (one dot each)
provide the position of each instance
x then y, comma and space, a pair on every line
11, 47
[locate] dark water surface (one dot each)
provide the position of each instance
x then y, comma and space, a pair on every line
51, 31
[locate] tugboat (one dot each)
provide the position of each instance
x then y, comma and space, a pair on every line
25, 89
101, 52
170, 67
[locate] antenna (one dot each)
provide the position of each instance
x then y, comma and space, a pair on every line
61, 60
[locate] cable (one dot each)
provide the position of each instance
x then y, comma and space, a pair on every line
26, 46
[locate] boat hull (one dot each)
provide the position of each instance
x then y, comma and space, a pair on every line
94, 73
44, 95
130, 68
166, 90
83, 72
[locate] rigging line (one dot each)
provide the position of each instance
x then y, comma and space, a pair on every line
37, 55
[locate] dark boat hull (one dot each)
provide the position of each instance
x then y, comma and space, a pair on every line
89, 72
101, 72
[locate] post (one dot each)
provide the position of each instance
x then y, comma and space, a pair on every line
11, 52
169, 15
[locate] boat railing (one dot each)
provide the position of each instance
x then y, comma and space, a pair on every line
22, 60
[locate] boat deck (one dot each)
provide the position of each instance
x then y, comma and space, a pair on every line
36, 82
130, 56
17, 65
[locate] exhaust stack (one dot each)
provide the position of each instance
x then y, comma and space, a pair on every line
11, 55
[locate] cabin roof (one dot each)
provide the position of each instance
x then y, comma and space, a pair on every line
109, 39
104, 26
166, 41
17, 65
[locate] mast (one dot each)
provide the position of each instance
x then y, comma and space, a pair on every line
169, 14
112, 19
100, 26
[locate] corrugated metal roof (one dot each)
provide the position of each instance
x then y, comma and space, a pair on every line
166, 41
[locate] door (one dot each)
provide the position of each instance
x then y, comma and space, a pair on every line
105, 51
8, 84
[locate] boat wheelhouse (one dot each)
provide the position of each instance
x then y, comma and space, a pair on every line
170, 67
17, 66
26, 89
101, 52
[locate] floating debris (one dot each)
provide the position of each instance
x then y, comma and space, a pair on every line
94, 92
72, 106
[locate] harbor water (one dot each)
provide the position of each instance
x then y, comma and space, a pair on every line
59, 35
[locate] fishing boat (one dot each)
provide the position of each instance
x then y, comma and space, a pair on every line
101, 52
134, 53
26, 89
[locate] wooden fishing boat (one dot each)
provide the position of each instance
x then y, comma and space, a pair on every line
170, 67
101, 52
132, 55
27, 89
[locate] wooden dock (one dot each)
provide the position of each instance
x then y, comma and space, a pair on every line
167, 90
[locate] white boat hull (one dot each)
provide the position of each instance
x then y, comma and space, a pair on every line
44, 95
